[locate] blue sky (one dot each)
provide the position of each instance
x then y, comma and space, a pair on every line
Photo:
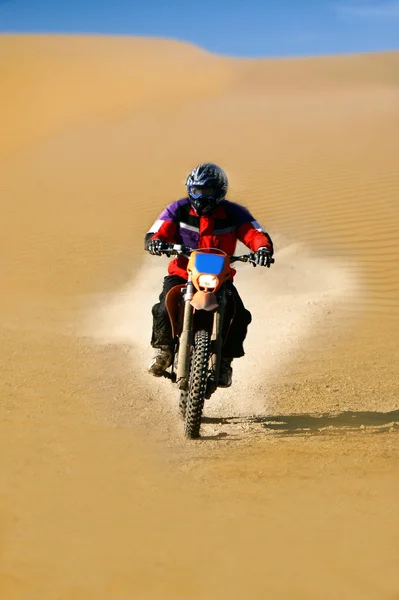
251, 28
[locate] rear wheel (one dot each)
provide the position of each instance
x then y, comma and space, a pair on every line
197, 384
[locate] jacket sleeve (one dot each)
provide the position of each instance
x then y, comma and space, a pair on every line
250, 232
165, 228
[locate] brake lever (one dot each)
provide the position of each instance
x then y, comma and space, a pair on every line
167, 251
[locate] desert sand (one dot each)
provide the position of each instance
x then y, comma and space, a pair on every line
293, 490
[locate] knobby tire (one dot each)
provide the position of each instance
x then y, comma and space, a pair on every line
197, 384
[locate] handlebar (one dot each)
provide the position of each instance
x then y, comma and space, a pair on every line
180, 250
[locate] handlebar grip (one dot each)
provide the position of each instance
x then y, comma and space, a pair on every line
171, 249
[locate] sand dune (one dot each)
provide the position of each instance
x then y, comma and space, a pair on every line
294, 493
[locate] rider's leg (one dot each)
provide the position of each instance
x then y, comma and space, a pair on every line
237, 319
161, 337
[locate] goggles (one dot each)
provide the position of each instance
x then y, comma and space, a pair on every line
198, 192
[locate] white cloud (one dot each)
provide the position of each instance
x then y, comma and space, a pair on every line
369, 9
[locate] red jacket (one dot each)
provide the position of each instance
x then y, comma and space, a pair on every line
220, 228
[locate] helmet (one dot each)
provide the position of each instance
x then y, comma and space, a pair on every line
207, 186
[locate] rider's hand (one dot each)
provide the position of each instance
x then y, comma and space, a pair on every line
262, 257
155, 247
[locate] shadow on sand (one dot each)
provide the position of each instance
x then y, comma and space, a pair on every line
300, 424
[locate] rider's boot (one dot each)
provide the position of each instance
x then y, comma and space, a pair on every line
161, 361
225, 373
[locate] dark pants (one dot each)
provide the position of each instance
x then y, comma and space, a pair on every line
236, 320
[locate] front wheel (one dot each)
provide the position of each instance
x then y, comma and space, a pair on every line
197, 384
183, 403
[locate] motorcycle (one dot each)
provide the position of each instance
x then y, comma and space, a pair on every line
196, 311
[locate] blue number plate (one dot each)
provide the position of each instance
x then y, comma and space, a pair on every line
209, 263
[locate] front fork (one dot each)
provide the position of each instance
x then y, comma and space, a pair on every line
186, 339
217, 343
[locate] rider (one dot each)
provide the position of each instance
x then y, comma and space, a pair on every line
204, 219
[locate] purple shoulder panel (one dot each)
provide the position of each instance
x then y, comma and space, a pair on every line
171, 212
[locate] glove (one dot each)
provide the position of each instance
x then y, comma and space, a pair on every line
262, 257
155, 247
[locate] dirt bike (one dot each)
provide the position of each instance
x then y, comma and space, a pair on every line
196, 311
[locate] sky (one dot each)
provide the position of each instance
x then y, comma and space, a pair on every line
247, 28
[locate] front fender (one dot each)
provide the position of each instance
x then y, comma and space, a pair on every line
204, 301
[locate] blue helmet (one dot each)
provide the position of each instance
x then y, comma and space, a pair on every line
207, 187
